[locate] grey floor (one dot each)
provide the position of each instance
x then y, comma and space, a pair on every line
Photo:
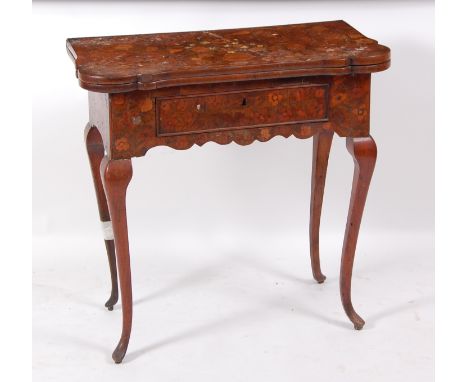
227, 310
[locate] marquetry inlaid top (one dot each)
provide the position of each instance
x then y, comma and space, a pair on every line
125, 63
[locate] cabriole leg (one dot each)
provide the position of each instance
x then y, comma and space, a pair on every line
364, 153
321, 151
116, 175
95, 149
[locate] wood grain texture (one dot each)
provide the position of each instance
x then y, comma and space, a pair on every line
145, 62
364, 153
320, 154
116, 175
95, 149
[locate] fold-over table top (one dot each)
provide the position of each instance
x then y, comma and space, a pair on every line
150, 61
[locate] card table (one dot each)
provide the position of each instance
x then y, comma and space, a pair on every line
223, 86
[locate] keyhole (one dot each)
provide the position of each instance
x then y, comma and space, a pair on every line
244, 101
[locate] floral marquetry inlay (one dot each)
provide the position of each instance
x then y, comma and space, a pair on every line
240, 112
239, 85
147, 62
241, 109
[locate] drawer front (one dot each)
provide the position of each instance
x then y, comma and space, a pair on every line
241, 109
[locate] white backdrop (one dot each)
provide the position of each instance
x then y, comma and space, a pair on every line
219, 234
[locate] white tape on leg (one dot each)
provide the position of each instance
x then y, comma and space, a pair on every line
107, 231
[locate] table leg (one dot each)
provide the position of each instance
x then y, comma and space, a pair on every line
95, 150
116, 175
321, 151
364, 153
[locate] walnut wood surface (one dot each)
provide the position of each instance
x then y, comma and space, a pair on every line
364, 153
124, 63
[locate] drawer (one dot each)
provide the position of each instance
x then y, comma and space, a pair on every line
235, 110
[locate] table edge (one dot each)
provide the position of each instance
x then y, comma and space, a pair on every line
345, 66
